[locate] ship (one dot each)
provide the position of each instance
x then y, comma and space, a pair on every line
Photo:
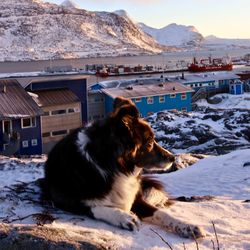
209, 64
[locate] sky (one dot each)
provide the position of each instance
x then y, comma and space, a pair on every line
222, 18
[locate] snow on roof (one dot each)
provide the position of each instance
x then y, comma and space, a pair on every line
208, 76
15, 102
56, 97
148, 90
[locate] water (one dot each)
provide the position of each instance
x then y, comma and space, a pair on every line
169, 59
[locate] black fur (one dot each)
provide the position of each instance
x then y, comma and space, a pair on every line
85, 164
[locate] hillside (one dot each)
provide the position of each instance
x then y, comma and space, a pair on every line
34, 30
25, 223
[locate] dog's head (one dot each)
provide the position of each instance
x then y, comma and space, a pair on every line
138, 137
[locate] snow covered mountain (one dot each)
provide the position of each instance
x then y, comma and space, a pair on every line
70, 4
32, 29
175, 35
213, 41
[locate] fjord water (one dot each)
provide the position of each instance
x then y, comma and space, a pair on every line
170, 59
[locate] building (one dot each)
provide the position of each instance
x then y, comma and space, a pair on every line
209, 80
61, 114
96, 105
236, 88
75, 83
152, 98
20, 123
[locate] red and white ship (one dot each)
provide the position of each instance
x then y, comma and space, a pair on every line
209, 64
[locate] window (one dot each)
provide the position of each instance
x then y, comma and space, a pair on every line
161, 99
172, 95
25, 144
34, 142
7, 126
5, 146
46, 134
59, 132
183, 96
58, 112
200, 84
150, 100
28, 122
98, 99
137, 99
73, 110
96, 117
46, 113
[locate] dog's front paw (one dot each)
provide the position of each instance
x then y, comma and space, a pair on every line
190, 231
130, 222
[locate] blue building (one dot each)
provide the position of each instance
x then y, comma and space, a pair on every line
208, 80
236, 88
20, 123
152, 98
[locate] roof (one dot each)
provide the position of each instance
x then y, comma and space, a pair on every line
55, 97
207, 77
148, 90
15, 102
26, 78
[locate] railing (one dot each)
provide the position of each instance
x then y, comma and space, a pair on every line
12, 143
199, 94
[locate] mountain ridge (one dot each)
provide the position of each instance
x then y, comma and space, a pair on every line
34, 30
175, 35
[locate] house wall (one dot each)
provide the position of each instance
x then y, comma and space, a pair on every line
29, 134
222, 84
147, 109
30, 138
1, 136
55, 127
200, 84
236, 89
96, 109
77, 86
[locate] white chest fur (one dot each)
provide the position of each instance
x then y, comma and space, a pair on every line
122, 194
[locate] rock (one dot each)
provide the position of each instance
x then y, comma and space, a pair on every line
205, 131
246, 164
30, 237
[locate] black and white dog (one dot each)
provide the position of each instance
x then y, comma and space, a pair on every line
96, 171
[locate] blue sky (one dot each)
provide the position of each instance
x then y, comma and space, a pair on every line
222, 18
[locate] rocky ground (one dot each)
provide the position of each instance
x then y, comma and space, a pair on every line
27, 222
206, 131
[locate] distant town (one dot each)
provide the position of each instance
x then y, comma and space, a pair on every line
38, 109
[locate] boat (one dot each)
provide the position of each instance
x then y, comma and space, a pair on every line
102, 72
209, 64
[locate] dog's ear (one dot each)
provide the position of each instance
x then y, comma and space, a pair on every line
121, 101
124, 107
